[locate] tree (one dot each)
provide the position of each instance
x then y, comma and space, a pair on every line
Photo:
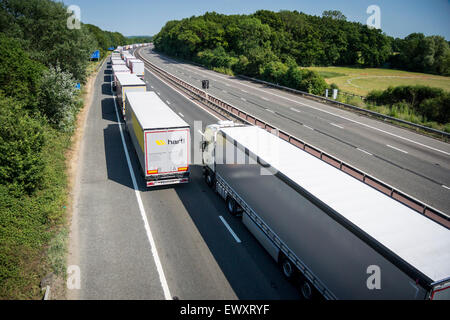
21, 141
334, 14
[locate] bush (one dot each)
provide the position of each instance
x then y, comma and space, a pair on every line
430, 103
58, 98
21, 141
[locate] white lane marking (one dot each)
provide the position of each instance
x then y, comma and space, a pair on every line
265, 98
229, 229
364, 151
244, 91
333, 114
200, 132
181, 94
148, 231
444, 186
158, 93
152, 87
167, 101
270, 110
397, 149
295, 110
243, 99
180, 114
308, 127
224, 91
336, 125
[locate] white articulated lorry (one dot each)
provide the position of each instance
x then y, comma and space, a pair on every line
127, 82
335, 236
160, 137
137, 67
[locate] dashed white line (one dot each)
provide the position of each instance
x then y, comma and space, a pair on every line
224, 91
265, 98
162, 277
364, 151
158, 93
295, 110
308, 127
180, 114
268, 110
152, 87
331, 113
243, 99
167, 101
244, 91
444, 186
397, 149
230, 230
336, 125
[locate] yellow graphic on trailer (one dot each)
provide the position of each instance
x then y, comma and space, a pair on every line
138, 131
160, 142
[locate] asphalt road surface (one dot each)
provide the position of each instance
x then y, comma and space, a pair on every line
201, 251
413, 163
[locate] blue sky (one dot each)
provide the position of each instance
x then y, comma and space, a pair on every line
138, 17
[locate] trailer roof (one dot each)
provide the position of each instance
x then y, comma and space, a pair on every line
119, 68
128, 79
117, 61
152, 112
419, 241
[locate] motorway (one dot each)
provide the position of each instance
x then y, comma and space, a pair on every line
415, 164
130, 242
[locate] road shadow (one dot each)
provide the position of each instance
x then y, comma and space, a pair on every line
116, 162
106, 89
108, 71
108, 110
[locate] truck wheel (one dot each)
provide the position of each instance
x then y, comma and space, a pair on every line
306, 290
288, 268
209, 180
231, 206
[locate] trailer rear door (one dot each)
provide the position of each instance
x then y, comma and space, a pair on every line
167, 151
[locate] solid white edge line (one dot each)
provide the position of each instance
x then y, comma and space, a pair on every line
230, 230
162, 277
397, 149
364, 151
319, 109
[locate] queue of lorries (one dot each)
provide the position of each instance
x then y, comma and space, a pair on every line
333, 236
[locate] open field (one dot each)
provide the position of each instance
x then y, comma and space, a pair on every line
361, 81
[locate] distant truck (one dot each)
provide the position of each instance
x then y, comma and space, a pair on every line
331, 234
118, 69
123, 53
137, 67
127, 82
160, 137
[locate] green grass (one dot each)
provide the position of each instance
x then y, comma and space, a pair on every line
361, 81
30, 223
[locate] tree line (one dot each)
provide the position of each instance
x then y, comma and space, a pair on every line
276, 46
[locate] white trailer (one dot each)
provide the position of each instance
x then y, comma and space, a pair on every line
127, 59
335, 236
137, 67
118, 69
127, 82
116, 61
124, 53
160, 137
